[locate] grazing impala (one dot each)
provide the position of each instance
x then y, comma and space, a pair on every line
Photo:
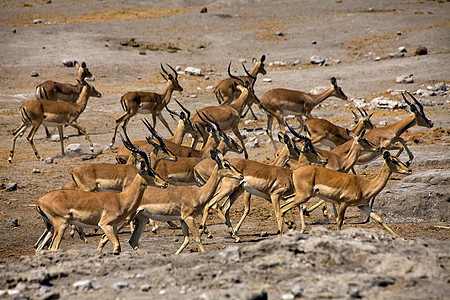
49, 113
106, 210
181, 203
227, 116
343, 189
54, 91
280, 102
328, 134
148, 102
387, 136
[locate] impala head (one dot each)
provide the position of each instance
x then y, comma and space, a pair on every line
260, 65
337, 92
363, 142
244, 84
285, 153
229, 142
83, 71
145, 170
160, 149
417, 110
90, 90
395, 165
226, 169
182, 117
308, 149
173, 80
364, 119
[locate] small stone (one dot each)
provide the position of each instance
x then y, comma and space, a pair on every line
314, 42
317, 60
142, 52
288, 296
145, 287
35, 171
402, 49
405, 79
12, 223
14, 30
421, 51
242, 60
83, 285
193, 71
120, 285
209, 87
297, 290
297, 62
75, 148
55, 138
68, 63
267, 80
279, 33
399, 33
204, 10
377, 58
49, 160
263, 234
193, 96
34, 74
12, 186
38, 21
178, 68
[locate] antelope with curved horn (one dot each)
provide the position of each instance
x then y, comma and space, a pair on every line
228, 116
343, 189
105, 210
328, 134
50, 113
148, 102
280, 102
387, 136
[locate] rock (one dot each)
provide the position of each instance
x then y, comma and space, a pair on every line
145, 287
142, 52
204, 10
68, 63
314, 42
317, 60
288, 296
12, 223
14, 30
360, 102
83, 285
38, 21
48, 160
267, 80
231, 254
279, 33
54, 138
263, 234
253, 143
35, 171
402, 49
296, 62
396, 55
12, 186
193, 96
399, 33
74, 148
120, 285
39, 276
297, 290
405, 79
377, 58
421, 51
193, 71
34, 74
242, 60
441, 86
209, 87
384, 103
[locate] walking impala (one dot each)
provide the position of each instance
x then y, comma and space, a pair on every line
387, 136
50, 113
105, 210
343, 189
280, 102
148, 102
54, 91
228, 116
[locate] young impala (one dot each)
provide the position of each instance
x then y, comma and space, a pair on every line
148, 102
50, 113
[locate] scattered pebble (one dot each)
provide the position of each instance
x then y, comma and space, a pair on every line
12, 186
405, 79
317, 60
38, 21
35, 171
34, 74
421, 51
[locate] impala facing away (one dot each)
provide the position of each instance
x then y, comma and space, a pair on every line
148, 103
181, 203
277, 103
106, 210
343, 189
387, 136
50, 113
227, 116
328, 134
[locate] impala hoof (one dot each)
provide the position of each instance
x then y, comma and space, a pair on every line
92, 149
10, 159
116, 252
238, 240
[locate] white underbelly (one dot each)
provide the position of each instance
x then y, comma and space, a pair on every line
79, 224
51, 124
160, 217
255, 192
290, 112
143, 111
327, 199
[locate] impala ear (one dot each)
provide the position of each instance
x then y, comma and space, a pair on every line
83, 64
76, 64
333, 81
263, 58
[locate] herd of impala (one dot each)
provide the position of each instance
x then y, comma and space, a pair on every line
159, 179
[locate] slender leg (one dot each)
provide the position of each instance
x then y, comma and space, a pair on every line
141, 221
124, 117
269, 126
58, 234
377, 218
30, 139
341, 214
185, 230
191, 225
61, 139
247, 197
161, 118
18, 132
410, 155
75, 125
111, 234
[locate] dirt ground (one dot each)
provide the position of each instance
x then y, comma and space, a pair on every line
358, 39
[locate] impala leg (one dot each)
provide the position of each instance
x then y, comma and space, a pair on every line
269, 126
43, 240
141, 221
61, 139
47, 133
18, 132
226, 209
30, 139
58, 234
247, 197
83, 130
241, 139
410, 155
191, 226
124, 117
161, 118
275, 199
111, 234
298, 200
185, 230
340, 218
377, 218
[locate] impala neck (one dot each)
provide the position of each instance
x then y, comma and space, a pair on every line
356, 130
132, 195
254, 72
241, 101
349, 160
374, 186
209, 189
82, 102
211, 144
177, 137
401, 126
317, 99
167, 94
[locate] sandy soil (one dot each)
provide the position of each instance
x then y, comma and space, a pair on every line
349, 34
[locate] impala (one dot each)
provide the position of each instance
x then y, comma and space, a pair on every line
105, 210
227, 116
387, 136
343, 189
54, 91
280, 102
328, 134
148, 102
184, 124
50, 113
182, 203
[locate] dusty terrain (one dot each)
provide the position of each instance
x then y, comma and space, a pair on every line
361, 261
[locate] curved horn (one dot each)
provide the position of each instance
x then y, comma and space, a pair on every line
213, 122
360, 111
232, 76
356, 117
365, 112
171, 111
188, 113
304, 138
248, 74
174, 72
143, 153
154, 133
407, 102
200, 113
417, 102
164, 70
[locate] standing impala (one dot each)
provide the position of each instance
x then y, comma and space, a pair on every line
343, 189
387, 136
148, 102
105, 210
328, 134
54, 91
49, 113
280, 102
227, 116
